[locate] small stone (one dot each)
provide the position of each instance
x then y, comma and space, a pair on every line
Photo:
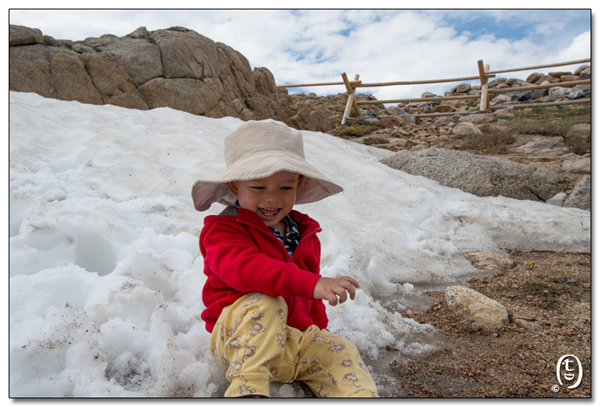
409, 314
476, 307
490, 260
527, 325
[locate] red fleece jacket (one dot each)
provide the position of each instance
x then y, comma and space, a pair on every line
241, 256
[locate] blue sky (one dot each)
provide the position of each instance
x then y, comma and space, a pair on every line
308, 46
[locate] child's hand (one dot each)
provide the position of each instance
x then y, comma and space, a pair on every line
331, 288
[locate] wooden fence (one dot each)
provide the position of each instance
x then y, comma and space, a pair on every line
483, 75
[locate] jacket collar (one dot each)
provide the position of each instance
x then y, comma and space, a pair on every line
248, 217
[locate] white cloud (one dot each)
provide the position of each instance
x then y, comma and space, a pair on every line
580, 47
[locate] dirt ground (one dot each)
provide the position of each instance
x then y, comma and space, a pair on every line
547, 296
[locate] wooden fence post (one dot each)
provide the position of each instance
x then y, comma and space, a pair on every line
485, 103
351, 99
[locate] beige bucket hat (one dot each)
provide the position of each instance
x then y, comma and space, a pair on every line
259, 149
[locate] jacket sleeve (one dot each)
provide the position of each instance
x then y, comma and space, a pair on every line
235, 259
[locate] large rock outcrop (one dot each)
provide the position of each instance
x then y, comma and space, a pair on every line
174, 67
479, 175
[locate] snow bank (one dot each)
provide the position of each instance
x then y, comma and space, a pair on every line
106, 275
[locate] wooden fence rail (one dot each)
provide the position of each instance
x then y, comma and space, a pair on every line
483, 75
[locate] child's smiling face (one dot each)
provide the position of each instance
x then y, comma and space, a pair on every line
271, 198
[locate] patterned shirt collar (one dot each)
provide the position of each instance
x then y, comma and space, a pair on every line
292, 236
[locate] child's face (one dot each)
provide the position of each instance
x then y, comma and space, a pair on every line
271, 198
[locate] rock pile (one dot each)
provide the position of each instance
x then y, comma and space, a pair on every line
143, 70
538, 167
539, 95
174, 67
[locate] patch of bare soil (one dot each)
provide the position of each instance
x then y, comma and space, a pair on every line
548, 299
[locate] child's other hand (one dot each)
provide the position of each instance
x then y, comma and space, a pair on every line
331, 288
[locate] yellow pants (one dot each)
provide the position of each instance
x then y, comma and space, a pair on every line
255, 346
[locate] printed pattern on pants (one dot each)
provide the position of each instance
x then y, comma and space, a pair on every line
255, 346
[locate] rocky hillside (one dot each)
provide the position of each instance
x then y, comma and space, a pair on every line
179, 68
184, 70
175, 67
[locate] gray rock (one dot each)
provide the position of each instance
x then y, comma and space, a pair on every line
465, 129
508, 111
69, 79
444, 109
462, 88
96, 43
189, 95
580, 197
558, 74
29, 70
264, 81
186, 54
579, 70
108, 75
19, 35
496, 82
578, 94
140, 58
398, 111
476, 118
579, 138
370, 115
569, 78
500, 99
539, 93
235, 69
535, 77
82, 49
52, 72
528, 325
140, 32
51, 42
559, 92
541, 145
479, 175
476, 307
522, 95
558, 199
444, 120
490, 261
582, 166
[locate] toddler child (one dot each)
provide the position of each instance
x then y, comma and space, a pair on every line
264, 294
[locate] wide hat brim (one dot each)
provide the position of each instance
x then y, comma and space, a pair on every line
315, 185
